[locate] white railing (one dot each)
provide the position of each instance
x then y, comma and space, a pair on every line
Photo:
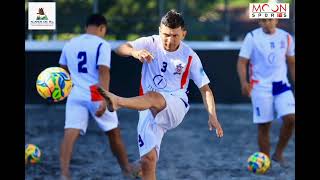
31, 45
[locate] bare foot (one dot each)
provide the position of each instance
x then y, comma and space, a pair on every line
110, 98
135, 171
282, 162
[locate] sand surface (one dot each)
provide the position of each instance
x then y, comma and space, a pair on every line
188, 152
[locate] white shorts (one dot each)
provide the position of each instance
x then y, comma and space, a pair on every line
77, 116
265, 105
151, 129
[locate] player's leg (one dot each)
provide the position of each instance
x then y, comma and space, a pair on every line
264, 137
285, 105
108, 122
75, 124
284, 137
151, 100
151, 130
148, 165
118, 149
149, 138
263, 114
66, 149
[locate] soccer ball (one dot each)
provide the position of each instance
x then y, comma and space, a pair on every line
32, 154
258, 163
54, 84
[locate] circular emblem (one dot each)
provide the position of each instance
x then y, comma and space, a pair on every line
159, 81
271, 58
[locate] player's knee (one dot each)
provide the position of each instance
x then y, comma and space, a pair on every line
156, 100
289, 120
153, 95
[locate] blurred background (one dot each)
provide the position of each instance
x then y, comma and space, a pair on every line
215, 28
206, 20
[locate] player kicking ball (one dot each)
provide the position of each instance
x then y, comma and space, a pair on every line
168, 65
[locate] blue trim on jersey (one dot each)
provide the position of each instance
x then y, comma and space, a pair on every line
185, 104
97, 55
251, 33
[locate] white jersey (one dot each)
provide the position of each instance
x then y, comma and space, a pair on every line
169, 71
83, 55
267, 54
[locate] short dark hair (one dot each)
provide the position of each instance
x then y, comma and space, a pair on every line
173, 19
97, 20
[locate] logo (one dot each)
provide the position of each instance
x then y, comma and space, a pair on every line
160, 82
179, 68
271, 57
41, 15
180, 65
270, 10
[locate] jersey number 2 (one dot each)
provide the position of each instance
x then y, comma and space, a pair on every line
82, 56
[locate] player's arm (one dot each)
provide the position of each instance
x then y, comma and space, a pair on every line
104, 76
208, 101
126, 50
104, 64
242, 65
104, 81
292, 67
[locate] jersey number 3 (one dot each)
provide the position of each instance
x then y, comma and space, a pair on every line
82, 56
164, 67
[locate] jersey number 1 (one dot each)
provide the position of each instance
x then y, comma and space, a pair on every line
82, 56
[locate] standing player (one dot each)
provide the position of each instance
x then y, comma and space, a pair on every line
168, 64
87, 58
268, 50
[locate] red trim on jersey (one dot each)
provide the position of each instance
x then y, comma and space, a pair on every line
140, 89
252, 81
186, 73
95, 96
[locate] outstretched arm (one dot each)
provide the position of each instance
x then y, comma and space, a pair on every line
208, 101
126, 50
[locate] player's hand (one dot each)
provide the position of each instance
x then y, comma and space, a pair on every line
142, 55
246, 89
102, 108
213, 123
